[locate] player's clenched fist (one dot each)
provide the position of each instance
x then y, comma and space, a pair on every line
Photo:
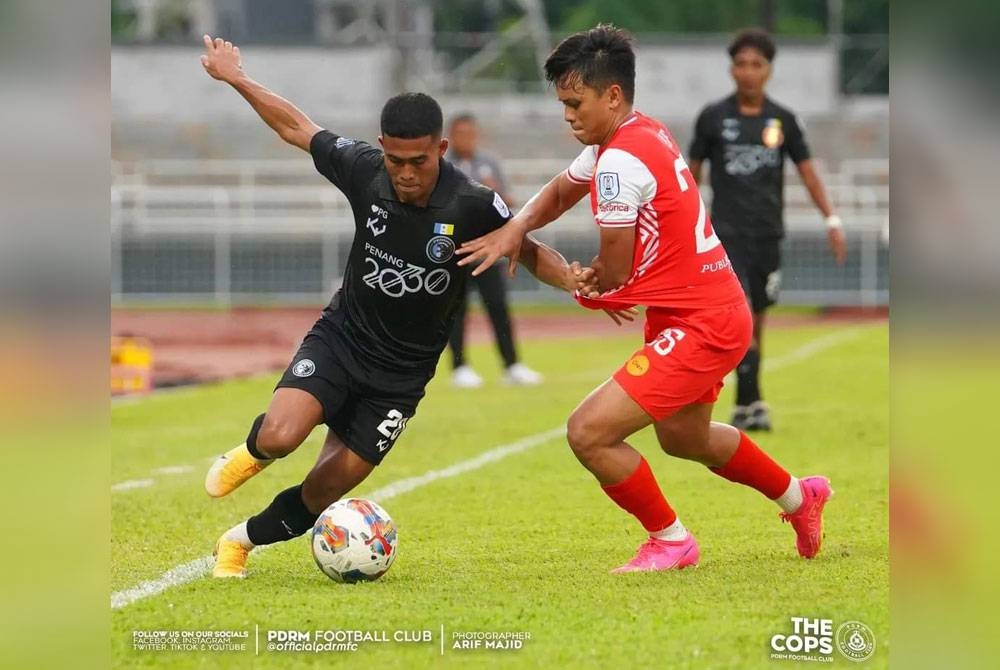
583, 279
221, 59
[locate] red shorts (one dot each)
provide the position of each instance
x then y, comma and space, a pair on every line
687, 355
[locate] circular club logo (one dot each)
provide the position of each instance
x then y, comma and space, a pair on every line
440, 249
855, 641
638, 365
304, 368
772, 136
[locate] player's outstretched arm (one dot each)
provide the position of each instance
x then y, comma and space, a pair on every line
549, 266
222, 61
554, 199
834, 232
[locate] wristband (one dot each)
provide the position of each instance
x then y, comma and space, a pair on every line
833, 222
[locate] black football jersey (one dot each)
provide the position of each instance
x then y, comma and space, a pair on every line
402, 284
746, 155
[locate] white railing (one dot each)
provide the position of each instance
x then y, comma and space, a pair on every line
221, 231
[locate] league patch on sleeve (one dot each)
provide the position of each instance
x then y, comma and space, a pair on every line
607, 185
343, 142
500, 206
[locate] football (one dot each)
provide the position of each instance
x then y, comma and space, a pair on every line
354, 540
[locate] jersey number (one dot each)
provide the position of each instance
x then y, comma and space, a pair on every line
702, 240
667, 340
393, 425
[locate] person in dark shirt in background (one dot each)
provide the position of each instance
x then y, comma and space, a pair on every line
464, 153
745, 137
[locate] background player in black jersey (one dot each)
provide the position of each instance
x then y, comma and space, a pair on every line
745, 137
465, 154
363, 367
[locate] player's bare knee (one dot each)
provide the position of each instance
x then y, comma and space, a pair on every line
278, 438
583, 436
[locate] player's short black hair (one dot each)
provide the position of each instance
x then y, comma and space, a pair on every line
600, 57
411, 115
462, 117
753, 38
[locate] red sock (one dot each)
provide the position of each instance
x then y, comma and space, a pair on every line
640, 496
751, 466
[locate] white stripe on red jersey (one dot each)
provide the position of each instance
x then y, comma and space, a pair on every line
639, 179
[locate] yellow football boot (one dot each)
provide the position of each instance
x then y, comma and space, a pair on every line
231, 469
230, 559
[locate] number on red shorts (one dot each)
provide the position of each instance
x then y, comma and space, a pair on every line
667, 340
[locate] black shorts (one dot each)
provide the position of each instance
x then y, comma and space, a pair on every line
757, 263
366, 408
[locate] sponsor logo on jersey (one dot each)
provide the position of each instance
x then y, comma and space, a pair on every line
607, 185
440, 249
638, 365
744, 159
773, 286
384, 255
772, 136
400, 277
716, 266
304, 368
615, 207
500, 206
444, 229
373, 224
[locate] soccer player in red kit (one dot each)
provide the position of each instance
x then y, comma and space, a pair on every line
657, 249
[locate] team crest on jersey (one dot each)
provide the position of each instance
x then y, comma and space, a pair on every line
772, 136
304, 368
730, 129
440, 249
607, 185
500, 206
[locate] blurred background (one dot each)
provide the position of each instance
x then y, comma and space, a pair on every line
210, 208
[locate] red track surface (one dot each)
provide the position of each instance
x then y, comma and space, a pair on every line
191, 346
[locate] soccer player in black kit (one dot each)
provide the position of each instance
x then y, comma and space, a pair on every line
363, 367
745, 137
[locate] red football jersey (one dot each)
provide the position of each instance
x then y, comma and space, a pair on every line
639, 179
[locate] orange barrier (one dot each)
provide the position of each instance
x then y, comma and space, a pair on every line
131, 365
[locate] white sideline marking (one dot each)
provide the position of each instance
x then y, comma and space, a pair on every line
143, 483
406, 485
173, 577
132, 484
173, 470
806, 351
811, 348
198, 568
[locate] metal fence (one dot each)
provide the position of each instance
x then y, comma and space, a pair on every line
263, 232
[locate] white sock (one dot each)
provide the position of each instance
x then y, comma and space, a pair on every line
791, 499
675, 532
238, 533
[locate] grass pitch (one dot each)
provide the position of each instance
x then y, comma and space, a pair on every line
523, 543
